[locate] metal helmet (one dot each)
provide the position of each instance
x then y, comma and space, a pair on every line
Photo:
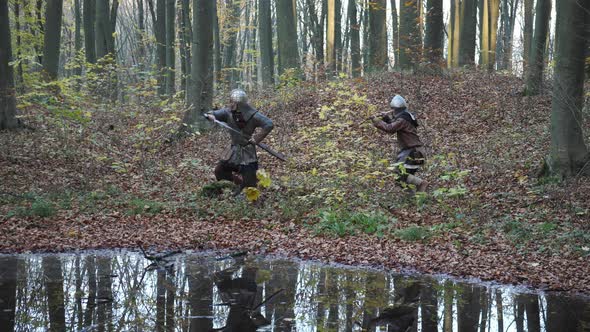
238, 96
398, 102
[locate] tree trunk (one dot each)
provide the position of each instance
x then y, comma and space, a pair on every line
8, 273
52, 274
8, 118
89, 10
409, 32
378, 35
170, 43
434, 36
185, 41
355, 43
527, 33
569, 153
266, 53
331, 39
52, 38
160, 34
17, 21
395, 32
78, 34
287, 36
231, 27
217, 59
468, 30
338, 36
491, 10
103, 29
201, 81
536, 62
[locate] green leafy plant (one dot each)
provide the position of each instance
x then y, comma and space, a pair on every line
43, 208
413, 233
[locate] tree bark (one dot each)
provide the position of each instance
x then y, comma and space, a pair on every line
536, 61
52, 38
201, 80
434, 36
8, 118
468, 30
378, 35
330, 39
527, 33
170, 50
103, 29
229, 51
355, 43
89, 10
286, 36
409, 32
491, 10
78, 34
185, 41
217, 59
395, 32
160, 34
266, 53
569, 153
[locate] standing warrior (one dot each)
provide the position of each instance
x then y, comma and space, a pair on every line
240, 157
412, 154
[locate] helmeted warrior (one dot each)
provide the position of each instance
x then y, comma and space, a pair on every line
411, 156
239, 162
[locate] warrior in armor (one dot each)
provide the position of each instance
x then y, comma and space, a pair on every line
239, 162
411, 156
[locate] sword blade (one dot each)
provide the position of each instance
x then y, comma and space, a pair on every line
263, 146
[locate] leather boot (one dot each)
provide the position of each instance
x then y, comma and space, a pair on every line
420, 184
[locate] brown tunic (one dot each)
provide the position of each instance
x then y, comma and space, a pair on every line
407, 134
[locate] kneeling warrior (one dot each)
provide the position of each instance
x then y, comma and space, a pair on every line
412, 154
240, 157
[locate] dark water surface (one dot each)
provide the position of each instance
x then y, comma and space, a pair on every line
117, 291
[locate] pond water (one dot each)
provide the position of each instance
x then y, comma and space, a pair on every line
124, 291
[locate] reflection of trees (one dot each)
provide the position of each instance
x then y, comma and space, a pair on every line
91, 301
531, 305
428, 307
200, 296
567, 313
53, 277
468, 308
105, 294
7, 292
448, 306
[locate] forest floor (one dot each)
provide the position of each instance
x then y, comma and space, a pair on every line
100, 175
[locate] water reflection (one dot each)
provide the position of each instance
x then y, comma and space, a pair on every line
106, 292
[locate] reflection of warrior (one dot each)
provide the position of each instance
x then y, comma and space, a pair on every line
241, 156
242, 296
401, 316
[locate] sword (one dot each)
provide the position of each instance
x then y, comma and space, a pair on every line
263, 146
